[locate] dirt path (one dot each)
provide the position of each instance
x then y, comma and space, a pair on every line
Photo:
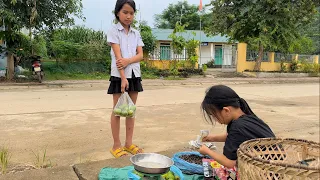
73, 124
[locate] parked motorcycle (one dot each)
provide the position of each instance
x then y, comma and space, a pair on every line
37, 70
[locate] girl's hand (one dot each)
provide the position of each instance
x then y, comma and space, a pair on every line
209, 138
122, 63
124, 85
204, 150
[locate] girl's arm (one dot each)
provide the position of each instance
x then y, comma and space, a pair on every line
124, 62
215, 138
220, 158
117, 53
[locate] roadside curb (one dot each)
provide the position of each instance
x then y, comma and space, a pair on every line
156, 82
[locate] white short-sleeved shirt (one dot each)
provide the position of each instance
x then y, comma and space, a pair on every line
128, 46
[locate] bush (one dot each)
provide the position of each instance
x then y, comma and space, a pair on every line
316, 68
210, 64
294, 66
283, 67
307, 67
68, 51
204, 68
188, 72
79, 67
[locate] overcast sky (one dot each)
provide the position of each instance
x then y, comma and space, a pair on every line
99, 15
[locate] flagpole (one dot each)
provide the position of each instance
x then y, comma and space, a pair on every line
200, 42
200, 12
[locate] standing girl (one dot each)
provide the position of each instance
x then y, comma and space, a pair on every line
126, 53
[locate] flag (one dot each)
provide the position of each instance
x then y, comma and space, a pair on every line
200, 6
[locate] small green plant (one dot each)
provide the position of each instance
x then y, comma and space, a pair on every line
294, 66
174, 71
193, 60
174, 68
191, 46
204, 68
41, 159
4, 159
283, 67
316, 68
210, 64
306, 67
173, 78
181, 64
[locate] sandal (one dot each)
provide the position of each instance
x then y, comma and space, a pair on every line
133, 149
118, 152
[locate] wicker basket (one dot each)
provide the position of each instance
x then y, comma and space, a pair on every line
274, 158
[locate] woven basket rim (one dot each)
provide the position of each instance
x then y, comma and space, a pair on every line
241, 148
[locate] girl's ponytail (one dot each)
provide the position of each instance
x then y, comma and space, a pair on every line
245, 107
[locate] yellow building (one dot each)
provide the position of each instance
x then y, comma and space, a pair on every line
271, 60
215, 48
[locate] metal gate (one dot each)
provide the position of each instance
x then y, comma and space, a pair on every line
229, 63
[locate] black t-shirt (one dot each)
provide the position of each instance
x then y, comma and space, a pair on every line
245, 128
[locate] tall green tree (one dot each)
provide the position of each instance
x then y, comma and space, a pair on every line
309, 40
34, 14
148, 38
271, 24
312, 32
182, 12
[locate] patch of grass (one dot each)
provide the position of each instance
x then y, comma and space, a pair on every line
41, 159
149, 75
83, 160
76, 76
174, 78
89, 76
4, 159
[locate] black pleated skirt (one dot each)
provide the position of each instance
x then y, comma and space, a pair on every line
134, 84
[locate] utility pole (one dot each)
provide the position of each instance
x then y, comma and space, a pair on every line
140, 14
200, 13
182, 8
200, 41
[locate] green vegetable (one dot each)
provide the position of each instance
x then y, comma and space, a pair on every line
139, 174
133, 108
117, 111
130, 112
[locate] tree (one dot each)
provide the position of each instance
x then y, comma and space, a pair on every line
311, 33
16, 14
180, 12
271, 24
147, 37
178, 44
178, 41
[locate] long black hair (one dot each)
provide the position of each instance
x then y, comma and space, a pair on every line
220, 96
121, 3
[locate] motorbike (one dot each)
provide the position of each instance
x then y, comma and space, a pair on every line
37, 70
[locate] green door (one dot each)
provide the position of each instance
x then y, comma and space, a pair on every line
218, 56
165, 53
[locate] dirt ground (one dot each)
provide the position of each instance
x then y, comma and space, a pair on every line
73, 124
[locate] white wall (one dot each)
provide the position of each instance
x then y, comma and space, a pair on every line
206, 54
227, 54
